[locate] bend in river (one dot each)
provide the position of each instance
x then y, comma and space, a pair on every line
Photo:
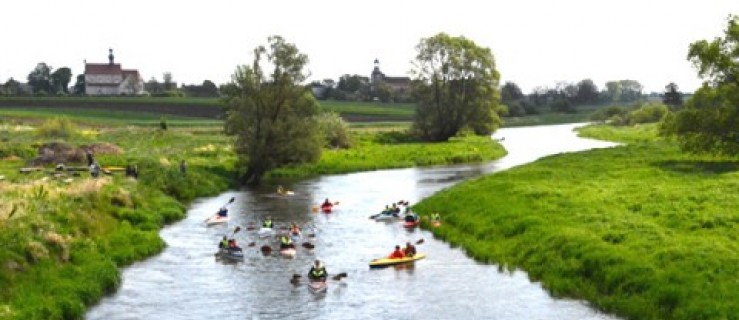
185, 281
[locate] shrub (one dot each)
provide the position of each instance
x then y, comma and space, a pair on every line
334, 129
57, 128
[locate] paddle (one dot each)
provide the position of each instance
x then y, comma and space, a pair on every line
337, 277
230, 201
237, 229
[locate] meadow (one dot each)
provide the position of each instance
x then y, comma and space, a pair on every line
641, 230
65, 235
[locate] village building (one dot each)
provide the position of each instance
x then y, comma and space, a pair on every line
110, 79
398, 85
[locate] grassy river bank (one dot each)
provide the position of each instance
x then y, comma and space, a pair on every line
63, 237
640, 230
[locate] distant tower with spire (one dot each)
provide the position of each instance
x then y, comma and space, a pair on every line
110, 56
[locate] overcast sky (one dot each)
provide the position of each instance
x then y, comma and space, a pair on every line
535, 42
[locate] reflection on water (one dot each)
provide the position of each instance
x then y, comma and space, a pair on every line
185, 281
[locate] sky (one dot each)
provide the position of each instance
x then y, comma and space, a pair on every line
536, 43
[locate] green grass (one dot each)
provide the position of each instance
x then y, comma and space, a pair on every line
108, 118
65, 241
548, 117
403, 110
132, 100
643, 230
378, 148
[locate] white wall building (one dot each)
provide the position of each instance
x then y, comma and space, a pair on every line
103, 79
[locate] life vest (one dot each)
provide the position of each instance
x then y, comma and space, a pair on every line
318, 272
285, 240
224, 243
267, 223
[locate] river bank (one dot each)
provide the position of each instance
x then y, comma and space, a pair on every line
65, 236
641, 230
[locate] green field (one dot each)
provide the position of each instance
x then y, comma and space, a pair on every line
643, 230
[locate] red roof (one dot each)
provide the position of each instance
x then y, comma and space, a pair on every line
127, 73
103, 68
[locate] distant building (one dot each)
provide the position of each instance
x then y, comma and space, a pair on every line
400, 85
110, 79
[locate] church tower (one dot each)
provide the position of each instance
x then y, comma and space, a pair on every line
110, 56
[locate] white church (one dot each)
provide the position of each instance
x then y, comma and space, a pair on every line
109, 79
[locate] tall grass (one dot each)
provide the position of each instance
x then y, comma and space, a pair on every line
63, 239
373, 150
641, 230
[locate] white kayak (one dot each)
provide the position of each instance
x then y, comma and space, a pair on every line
230, 254
265, 232
216, 220
317, 286
290, 252
386, 217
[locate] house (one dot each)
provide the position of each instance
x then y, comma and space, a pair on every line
398, 85
107, 79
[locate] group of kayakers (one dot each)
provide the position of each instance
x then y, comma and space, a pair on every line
408, 251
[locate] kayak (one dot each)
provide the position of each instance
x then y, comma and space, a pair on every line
290, 252
383, 262
411, 224
317, 286
230, 254
286, 193
216, 220
265, 232
385, 217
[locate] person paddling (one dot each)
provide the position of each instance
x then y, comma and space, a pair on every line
286, 242
267, 223
327, 204
223, 212
317, 272
410, 250
397, 254
224, 243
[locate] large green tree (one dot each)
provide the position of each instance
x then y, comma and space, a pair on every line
672, 96
271, 113
456, 87
40, 78
60, 79
710, 120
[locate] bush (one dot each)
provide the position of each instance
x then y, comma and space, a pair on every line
57, 128
334, 129
648, 113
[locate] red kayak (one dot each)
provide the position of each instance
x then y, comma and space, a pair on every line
409, 225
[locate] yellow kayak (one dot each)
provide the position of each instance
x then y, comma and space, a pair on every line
388, 262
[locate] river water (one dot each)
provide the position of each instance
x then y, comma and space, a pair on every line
185, 281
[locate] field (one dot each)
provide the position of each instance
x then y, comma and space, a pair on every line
643, 230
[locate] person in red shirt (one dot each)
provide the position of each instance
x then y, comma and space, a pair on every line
397, 254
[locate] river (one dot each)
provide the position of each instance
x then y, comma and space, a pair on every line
185, 281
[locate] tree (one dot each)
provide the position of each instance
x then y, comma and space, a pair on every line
40, 78
456, 87
79, 85
710, 120
587, 92
60, 80
672, 96
510, 92
168, 84
271, 113
12, 87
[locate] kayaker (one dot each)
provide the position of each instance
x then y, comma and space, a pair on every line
233, 246
317, 272
410, 217
286, 242
327, 204
410, 250
267, 223
436, 217
294, 229
280, 190
223, 212
397, 254
224, 243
